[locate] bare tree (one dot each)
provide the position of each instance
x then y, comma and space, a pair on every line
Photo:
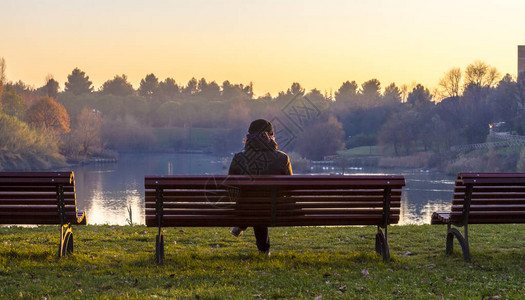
450, 84
89, 124
481, 74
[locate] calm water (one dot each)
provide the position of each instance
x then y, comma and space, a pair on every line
105, 191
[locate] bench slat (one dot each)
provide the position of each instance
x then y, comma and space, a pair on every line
278, 205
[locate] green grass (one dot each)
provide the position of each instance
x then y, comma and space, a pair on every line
361, 151
307, 262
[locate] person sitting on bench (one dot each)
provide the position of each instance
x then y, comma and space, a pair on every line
260, 157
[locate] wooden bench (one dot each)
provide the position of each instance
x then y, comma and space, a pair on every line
280, 200
482, 198
41, 198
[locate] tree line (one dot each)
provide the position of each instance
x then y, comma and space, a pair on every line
45, 126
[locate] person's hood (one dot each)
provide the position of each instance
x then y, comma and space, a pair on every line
259, 144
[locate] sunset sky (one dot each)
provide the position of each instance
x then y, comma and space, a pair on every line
319, 44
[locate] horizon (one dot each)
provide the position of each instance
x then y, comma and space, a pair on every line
272, 44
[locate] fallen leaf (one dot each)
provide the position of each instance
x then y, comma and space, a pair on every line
320, 297
78, 283
493, 298
364, 272
408, 253
449, 279
342, 288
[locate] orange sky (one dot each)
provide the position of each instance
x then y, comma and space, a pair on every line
319, 44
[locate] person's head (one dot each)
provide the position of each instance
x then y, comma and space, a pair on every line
260, 126
260, 135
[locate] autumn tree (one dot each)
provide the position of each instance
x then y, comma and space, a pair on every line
12, 103
450, 84
148, 86
49, 115
118, 86
25, 148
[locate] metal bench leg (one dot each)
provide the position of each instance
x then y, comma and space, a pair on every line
382, 245
463, 241
66, 240
159, 248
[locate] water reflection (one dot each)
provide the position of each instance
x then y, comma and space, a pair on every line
105, 191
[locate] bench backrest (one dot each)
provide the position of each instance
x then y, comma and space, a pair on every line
31, 198
495, 198
278, 200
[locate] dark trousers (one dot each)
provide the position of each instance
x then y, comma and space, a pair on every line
262, 239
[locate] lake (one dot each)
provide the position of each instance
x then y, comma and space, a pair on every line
106, 191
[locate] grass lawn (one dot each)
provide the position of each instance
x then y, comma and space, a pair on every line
361, 151
306, 263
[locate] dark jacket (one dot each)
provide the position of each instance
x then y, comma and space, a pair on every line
260, 157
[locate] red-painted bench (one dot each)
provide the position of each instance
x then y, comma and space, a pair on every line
243, 200
41, 198
482, 198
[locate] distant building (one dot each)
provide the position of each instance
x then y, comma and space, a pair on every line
521, 59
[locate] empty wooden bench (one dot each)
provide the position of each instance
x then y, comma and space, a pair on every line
280, 200
41, 198
482, 198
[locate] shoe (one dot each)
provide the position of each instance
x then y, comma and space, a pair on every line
236, 231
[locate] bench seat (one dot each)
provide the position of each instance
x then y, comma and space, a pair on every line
41, 198
270, 201
482, 198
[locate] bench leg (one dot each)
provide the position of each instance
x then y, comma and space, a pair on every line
159, 249
463, 242
66, 241
382, 245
